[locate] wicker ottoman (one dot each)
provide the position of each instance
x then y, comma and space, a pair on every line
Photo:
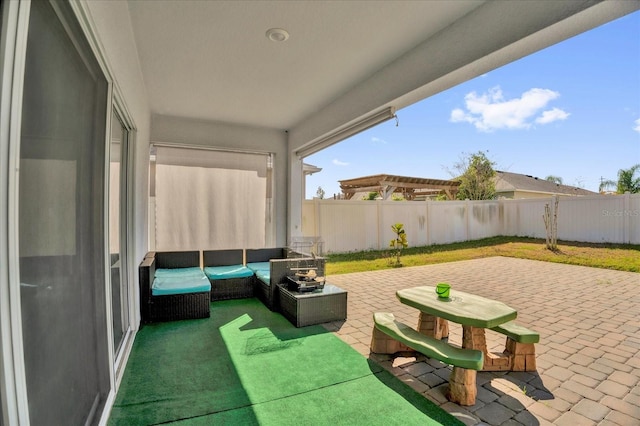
302, 309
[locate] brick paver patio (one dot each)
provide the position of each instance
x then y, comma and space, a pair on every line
588, 357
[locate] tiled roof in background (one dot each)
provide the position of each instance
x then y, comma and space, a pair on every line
506, 182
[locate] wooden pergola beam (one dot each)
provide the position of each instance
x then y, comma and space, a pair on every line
418, 185
386, 185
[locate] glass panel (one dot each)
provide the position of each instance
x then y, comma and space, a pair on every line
117, 230
61, 228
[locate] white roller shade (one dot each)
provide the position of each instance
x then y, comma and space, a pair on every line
213, 159
206, 199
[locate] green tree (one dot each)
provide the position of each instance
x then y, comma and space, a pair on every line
320, 193
554, 179
628, 181
606, 184
476, 176
371, 196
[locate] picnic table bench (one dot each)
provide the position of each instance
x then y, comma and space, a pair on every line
475, 314
429, 346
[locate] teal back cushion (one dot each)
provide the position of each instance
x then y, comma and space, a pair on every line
258, 266
227, 272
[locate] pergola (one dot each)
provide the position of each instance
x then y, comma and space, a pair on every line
409, 187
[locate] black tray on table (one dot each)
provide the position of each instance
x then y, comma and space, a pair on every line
303, 285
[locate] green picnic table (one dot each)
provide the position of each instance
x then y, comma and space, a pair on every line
462, 308
475, 314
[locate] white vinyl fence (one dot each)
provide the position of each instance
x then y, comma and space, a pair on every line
346, 226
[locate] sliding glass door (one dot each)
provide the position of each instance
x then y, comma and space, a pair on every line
61, 222
118, 167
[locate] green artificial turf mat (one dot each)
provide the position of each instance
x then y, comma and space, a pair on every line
364, 401
248, 365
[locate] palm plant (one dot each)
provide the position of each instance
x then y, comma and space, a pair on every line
606, 184
397, 244
627, 181
554, 179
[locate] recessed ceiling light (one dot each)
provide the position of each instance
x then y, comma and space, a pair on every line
277, 34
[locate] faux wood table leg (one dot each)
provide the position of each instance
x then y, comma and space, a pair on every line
523, 355
462, 386
474, 338
433, 326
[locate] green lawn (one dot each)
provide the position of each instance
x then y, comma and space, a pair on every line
622, 257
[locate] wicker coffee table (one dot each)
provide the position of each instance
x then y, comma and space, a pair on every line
316, 307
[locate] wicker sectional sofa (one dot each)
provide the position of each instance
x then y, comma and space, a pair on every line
271, 267
231, 274
171, 288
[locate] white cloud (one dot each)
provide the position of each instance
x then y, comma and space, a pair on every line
339, 163
378, 140
637, 126
552, 115
491, 111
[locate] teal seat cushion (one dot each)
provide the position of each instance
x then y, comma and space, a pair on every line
163, 286
258, 266
227, 272
264, 276
178, 272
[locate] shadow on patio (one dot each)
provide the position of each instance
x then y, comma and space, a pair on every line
248, 365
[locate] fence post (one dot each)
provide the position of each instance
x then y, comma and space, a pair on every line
316, 228
502, 214
316, 221
427, 222
467, 202
626, 214
379, 222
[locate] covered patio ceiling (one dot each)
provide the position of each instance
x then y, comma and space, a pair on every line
212, 60
409, 187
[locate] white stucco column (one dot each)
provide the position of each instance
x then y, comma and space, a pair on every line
296, 196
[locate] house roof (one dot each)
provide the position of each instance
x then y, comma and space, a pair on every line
511, 182
213, 61
386, 185
309, 169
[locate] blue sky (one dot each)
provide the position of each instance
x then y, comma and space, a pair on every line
571, 110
